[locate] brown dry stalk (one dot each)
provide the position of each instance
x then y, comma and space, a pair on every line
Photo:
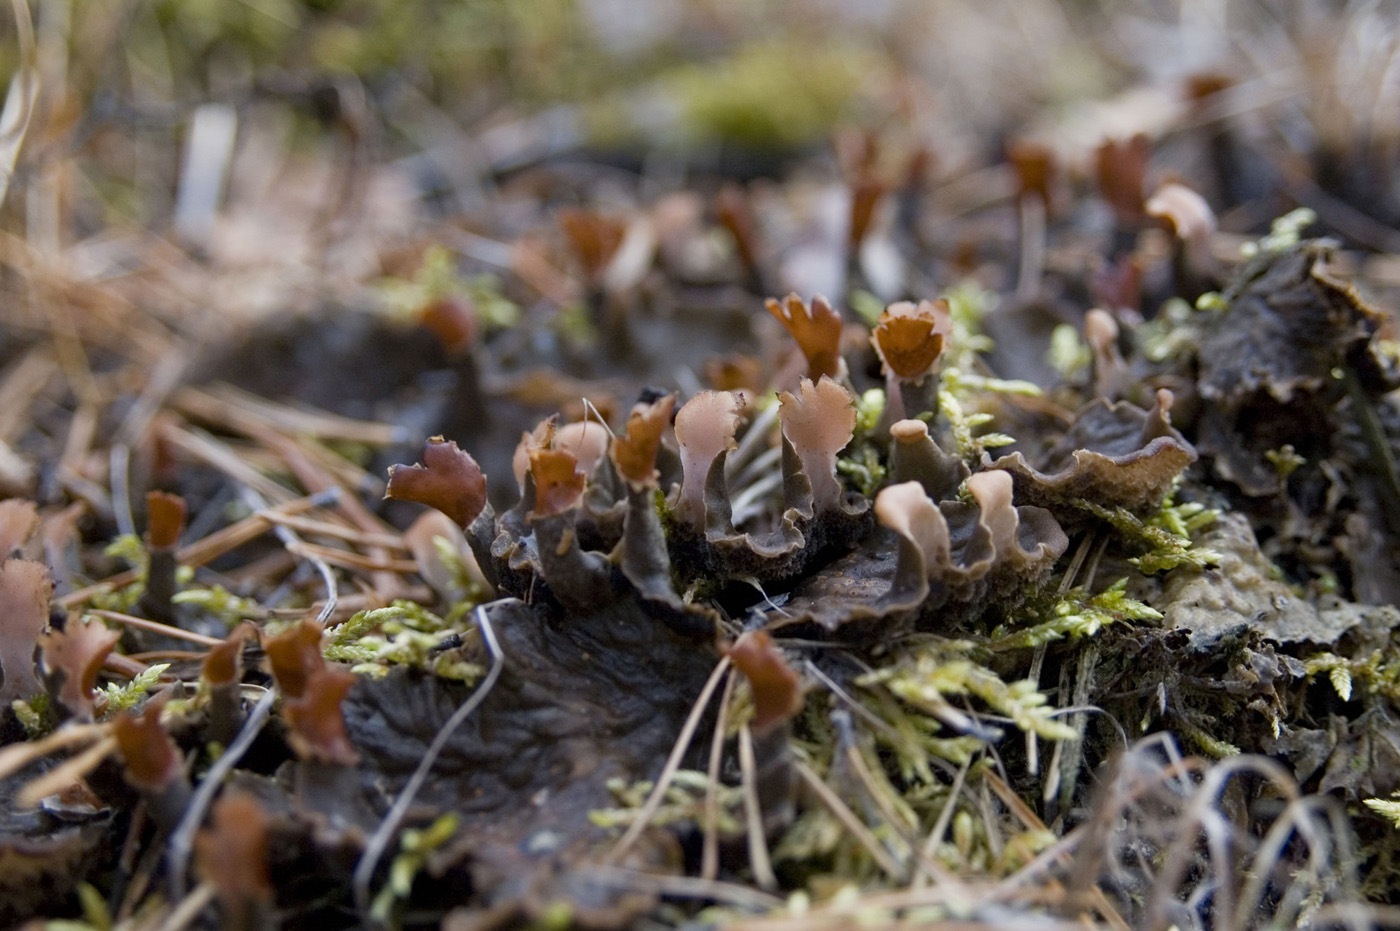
220, 456
66, 773
17, 756
23, 381
348, 560
325, 528
673, 763
155, 627
229, 406
759, 858
709, 855
315, 479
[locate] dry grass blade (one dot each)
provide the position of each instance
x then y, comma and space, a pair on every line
673, 763
23, 381
315, 478
709, 851
156, 627
842, 922
940, 826
325, 528
1357, 915
856, 760
1301, 819
19, 102
204, 550
187, 909
19, 755
66, 773
171, 367
686, 887
1028, 818
849, 820
759, 858
233, 407
1031, 821
1202, 814
218, 454
181, 842
348, 560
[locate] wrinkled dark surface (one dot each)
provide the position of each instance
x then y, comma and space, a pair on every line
851, 594
1288, 325
1241, 589
1114, 455
1272, 366
580, 699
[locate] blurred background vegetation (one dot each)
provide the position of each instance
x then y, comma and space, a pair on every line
119, 79
459, 94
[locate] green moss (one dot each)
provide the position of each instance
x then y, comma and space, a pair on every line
1338, 671
437, 279
925, 678
863, 468
123, 697
415, 847
1068, 353
866, 306
1173, 331
32, 714
1387, 809
968, 305
1166, 535
1284, 233
969, 445
780, 93
1209, 744
403, 633
1078, 614
221, 603
129, 548
575, 326
684, 801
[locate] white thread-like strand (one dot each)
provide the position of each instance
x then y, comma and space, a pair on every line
379, 841
177, 852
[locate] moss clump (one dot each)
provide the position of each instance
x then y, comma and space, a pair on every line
779, 94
